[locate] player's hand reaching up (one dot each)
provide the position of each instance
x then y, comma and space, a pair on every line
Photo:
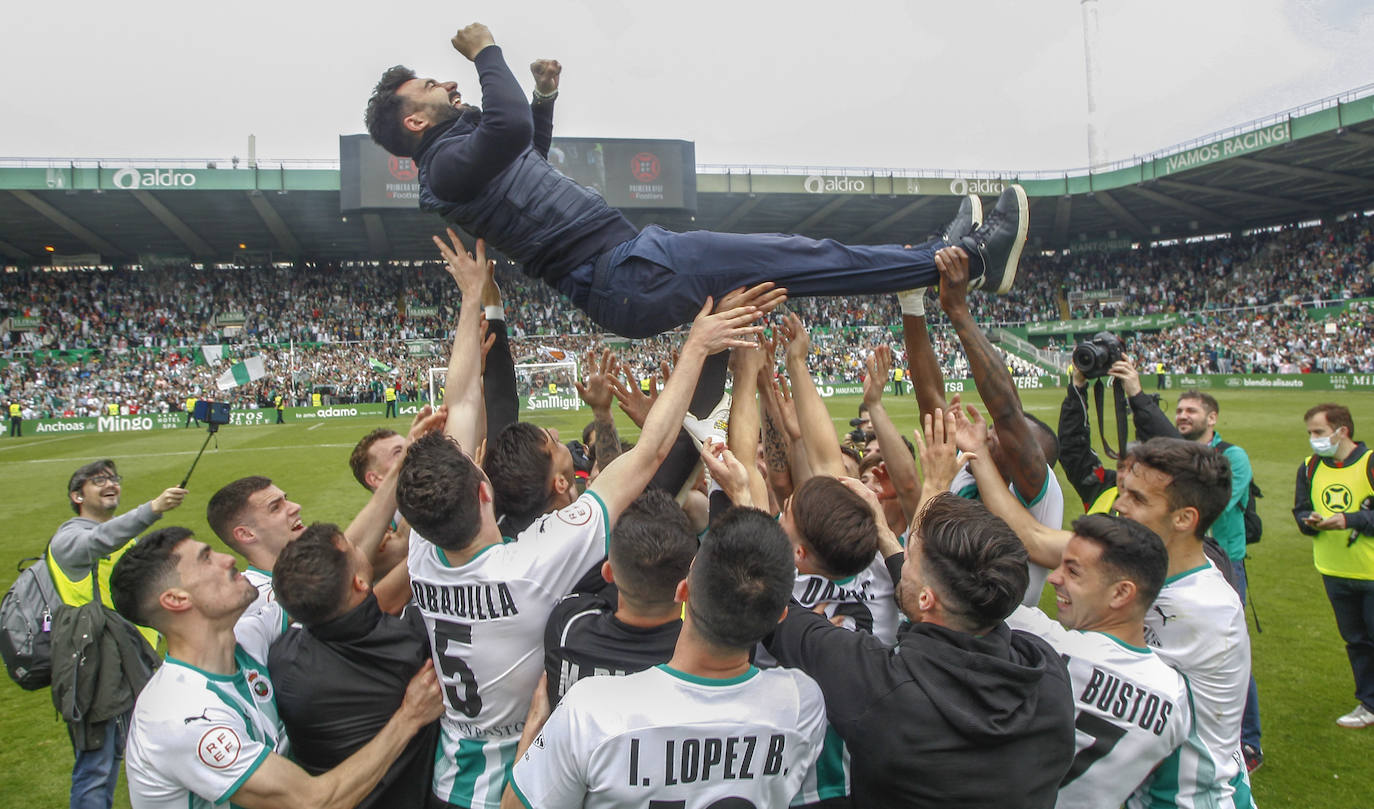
878, 366
597, 390
765, 297
470, 270
733, 328
798, 341
428, 420
729, 471
936, 447
952, 262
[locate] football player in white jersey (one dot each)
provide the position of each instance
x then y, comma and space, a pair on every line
1176, 488
205, 730
706, 726
486, 602
1133, 708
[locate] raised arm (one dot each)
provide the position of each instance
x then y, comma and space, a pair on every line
899, 465
822, 446
368, 528
1044, 545
462, 393
597, 391
280, 784
927, 381
464, 166
546, 74
995, 385
621, 481
743, 436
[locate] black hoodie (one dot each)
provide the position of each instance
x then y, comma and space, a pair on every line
943, 719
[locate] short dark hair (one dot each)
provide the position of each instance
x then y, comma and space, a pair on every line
1337, 416
310, 577
226, 507
141, 573
386, 111
1209, 402
519, 465
1049, 442
863, 408
651, 549
436, 492
85, 473
1130, 550
1200, 476
741, 579
973, 559
360, 459
836, 524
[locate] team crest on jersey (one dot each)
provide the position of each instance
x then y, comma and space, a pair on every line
1337, 497
578, 513
260, 686
219, 747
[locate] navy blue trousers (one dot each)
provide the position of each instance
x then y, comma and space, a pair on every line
660, 279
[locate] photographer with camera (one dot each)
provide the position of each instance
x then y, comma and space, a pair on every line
1102, 356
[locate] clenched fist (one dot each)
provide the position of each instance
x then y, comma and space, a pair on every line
546, 73
471, 40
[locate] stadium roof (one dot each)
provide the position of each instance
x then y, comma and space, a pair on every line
1307, 163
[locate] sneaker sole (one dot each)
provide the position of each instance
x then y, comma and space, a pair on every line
1022, 227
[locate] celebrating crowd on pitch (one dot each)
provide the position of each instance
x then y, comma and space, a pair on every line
742, 609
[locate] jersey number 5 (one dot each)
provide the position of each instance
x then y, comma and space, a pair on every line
448, 634
1105, 736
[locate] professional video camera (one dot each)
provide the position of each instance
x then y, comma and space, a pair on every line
857, 435
1096, 355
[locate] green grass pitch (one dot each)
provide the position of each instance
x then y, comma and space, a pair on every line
1300, 662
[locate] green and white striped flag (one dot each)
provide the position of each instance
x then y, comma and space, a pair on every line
241, 373
378, 365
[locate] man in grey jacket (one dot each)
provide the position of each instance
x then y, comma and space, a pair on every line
93, 541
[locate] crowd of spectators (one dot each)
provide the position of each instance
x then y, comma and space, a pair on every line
132, 337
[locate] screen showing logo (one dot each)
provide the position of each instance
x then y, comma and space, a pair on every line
403, 168
645, 167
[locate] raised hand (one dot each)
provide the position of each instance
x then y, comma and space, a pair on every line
733, 328
634, 402
426, 421
878, 366
765, 297
546, 73
471, 271
471, 39
952, 262
597, 388
936, 448
798, 341
971, 431
727, 470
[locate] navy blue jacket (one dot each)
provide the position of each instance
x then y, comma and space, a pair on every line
488, 173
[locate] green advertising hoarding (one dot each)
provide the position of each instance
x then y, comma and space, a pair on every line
1124, 323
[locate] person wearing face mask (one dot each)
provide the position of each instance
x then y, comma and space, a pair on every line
1334, 504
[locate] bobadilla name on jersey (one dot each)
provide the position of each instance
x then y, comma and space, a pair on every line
690, 761
475, 602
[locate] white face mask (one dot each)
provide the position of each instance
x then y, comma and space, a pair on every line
1325, 445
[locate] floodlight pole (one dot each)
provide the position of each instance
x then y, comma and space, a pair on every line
1097, 155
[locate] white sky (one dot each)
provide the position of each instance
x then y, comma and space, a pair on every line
997, 84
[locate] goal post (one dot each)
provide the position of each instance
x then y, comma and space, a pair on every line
539, 385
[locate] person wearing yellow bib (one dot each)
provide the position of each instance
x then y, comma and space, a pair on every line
389, 393
91, 543
1334, 504
16, 420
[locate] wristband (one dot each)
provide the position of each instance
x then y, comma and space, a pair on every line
494, 312
538, 96
913, 302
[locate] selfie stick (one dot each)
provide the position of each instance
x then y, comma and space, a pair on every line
208, 436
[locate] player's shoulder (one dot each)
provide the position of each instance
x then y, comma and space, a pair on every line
587, 512
174, 689
576, 606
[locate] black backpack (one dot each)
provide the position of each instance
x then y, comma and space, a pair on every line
26, 615
1254, 526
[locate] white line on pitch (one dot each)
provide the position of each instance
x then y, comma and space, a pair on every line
122, 456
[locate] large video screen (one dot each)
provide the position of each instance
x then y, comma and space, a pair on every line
628, 173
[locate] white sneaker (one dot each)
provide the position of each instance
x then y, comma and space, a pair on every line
714, 426
1361, 717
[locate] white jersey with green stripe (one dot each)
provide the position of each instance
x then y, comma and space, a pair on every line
196, 737
1197, 625
1132, 712
664, 738
1047, 507
486, 622
865, 601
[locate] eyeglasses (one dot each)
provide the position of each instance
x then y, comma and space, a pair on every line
101, 480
